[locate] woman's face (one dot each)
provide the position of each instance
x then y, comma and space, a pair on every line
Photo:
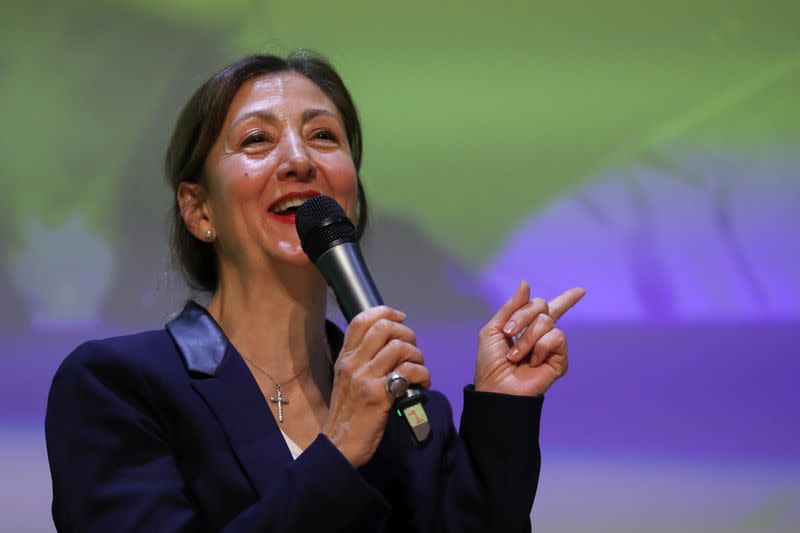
283, 141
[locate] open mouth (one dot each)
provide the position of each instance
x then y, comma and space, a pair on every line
288, 204
290, 210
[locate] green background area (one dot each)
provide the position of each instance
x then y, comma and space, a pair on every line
467, 108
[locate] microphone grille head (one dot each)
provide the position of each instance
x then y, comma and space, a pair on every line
321, 224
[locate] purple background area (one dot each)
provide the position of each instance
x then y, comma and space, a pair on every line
718, 392
695, 391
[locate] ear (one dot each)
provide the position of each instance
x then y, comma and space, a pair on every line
192, 201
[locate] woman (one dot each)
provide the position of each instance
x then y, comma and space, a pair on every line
255, 414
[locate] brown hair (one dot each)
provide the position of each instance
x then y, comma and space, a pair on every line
200, 123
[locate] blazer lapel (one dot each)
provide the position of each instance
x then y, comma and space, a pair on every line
221, 377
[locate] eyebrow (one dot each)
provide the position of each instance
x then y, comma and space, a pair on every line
308, 114
269, 116
266, 116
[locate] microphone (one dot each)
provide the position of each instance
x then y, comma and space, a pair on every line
329, 239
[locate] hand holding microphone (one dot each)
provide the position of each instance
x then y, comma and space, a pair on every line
379, 352
376, 344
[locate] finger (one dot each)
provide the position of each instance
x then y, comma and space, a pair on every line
395, 352
523, 317
520, 297
541, 325
564, 302
363, 321
414, 373
552, 342
379, 335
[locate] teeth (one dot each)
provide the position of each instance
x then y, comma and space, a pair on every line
289, 203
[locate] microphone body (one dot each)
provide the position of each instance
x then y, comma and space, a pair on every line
329, 239
345, 270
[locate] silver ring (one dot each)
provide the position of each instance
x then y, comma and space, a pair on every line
396, 384
515, 339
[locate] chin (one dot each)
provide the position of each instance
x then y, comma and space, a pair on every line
292, 252
301, 261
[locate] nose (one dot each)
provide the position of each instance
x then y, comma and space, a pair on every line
295, 162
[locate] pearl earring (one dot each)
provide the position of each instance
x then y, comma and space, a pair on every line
209, 234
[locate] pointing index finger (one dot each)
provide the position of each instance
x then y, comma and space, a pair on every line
564, 302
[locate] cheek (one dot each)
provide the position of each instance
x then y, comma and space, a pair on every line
238, 186
241, 180
236, 190
344, 186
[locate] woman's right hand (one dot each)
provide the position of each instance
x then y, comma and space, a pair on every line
376, 343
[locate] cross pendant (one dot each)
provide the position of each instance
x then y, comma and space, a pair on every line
280, 400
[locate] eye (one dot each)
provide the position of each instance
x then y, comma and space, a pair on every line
254, 138
325, 134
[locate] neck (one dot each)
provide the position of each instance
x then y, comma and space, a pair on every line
277, 321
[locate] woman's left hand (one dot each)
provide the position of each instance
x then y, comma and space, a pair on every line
529, 367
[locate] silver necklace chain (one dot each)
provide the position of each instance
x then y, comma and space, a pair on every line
278, 398
275, 381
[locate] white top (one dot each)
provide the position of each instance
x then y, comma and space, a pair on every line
294, 449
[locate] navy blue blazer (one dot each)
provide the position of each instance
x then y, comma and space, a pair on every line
168, 431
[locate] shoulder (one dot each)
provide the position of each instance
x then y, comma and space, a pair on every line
115, 357
106, 381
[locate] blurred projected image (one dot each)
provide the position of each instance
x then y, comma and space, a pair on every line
82, 229
686, 238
